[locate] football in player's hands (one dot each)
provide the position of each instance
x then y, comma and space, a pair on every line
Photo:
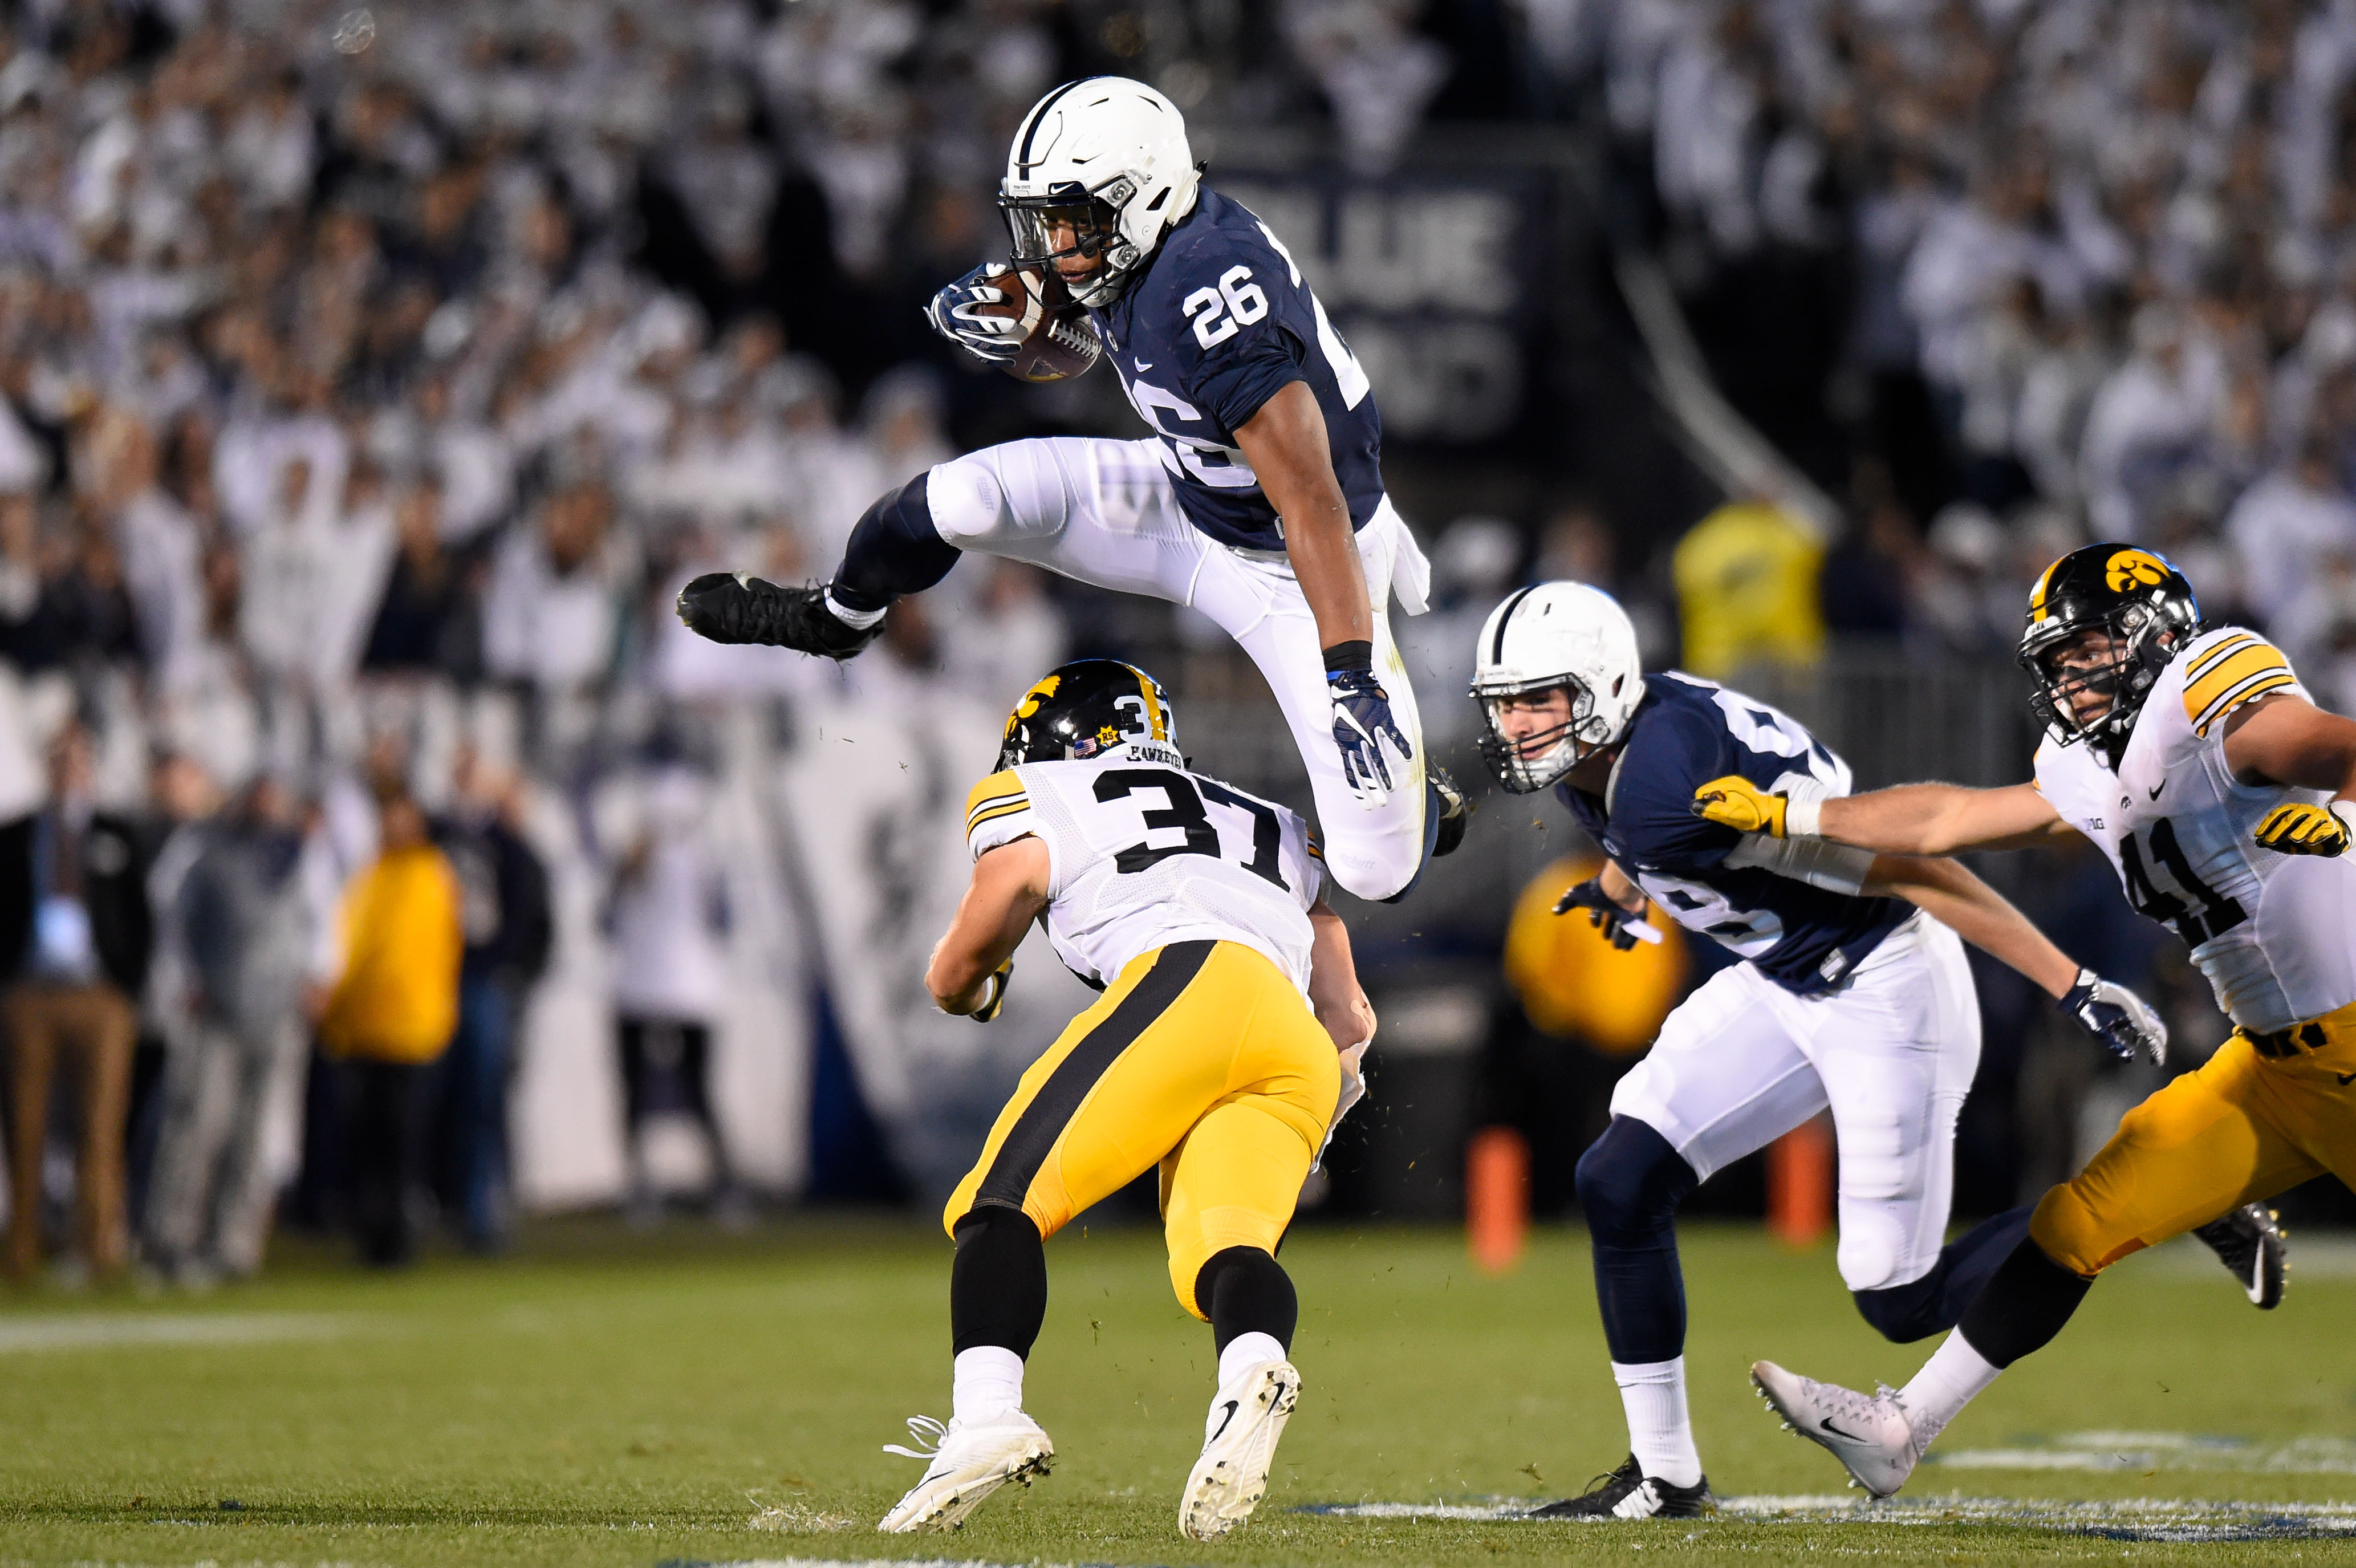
1055, 338
994, 997
2304, 828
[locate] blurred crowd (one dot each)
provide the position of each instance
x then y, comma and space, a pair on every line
2006, 276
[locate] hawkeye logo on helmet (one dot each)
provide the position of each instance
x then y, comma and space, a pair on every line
2132, 568
1036, 696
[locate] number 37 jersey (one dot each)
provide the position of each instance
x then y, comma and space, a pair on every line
1142, 853
2275, 934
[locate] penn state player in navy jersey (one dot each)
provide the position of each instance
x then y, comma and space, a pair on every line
1258, 500
1853, 995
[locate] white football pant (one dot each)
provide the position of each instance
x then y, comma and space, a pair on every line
1891, 1051
1106, 513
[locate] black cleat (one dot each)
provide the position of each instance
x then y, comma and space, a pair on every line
1629, 1493
1455, 811
736, 607
2250, 1244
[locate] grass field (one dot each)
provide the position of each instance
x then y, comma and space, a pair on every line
605, 1400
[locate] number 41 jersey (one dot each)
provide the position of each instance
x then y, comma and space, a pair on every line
1142, 853
2275, 934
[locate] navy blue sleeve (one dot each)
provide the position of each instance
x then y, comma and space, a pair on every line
1652, 807
1239, 377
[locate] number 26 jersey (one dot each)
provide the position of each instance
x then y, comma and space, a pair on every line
2275, 934
1142, 853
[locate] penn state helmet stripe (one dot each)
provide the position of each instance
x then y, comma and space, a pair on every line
1031, 130
1497, 647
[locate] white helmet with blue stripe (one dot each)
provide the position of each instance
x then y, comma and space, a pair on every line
1099, 169
1549, 634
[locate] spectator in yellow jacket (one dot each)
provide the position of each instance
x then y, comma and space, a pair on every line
391, 1015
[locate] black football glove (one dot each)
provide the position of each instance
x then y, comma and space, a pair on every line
1362, 723
955, 313
2117, 1017
995, 997
1602, 912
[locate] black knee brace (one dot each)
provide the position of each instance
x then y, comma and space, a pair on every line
894, 549
1243, 1290
1630, 1184
998, 1286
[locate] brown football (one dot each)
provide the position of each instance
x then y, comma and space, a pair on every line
1058, 339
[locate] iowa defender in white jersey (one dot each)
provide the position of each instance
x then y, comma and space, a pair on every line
1230, 1024
2222, 797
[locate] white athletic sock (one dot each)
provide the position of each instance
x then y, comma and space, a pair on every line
857, 620
1660, 1431
1248, 1350
1950, 1379
989, 1383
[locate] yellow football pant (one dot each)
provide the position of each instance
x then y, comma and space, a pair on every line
1201, 1058
2266, 1113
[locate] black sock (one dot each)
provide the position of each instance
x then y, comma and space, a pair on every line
1630, 1184
894, 549
998, 1286
1244, 1291
1936, 1302
2024, 1306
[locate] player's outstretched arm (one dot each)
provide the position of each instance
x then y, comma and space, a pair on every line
2286, 739
1957, 899
1906, 818
1287, 445
1334, 993
973, 958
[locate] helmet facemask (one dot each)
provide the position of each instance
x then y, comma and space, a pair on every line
1070, 221
1530, 764
2137, 655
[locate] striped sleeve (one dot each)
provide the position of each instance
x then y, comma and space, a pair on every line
998, 811
2239, 666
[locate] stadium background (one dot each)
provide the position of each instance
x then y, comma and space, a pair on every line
374, 376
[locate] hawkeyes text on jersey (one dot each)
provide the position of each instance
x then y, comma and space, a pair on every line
1220, 321
1142, 853
2271, 931
1686, 732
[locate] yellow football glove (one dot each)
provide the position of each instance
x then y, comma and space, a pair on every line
1735, 803
2304, 829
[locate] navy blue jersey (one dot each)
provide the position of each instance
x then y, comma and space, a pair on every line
1686, 732
1219, 322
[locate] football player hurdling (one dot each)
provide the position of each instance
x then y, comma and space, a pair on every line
1225, 1049
2194, 759
1258, 499
1852, 995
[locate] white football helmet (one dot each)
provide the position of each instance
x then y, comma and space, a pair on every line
1098, 168
1556, 634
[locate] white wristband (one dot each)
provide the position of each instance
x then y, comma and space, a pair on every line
1802, 814
2346, 811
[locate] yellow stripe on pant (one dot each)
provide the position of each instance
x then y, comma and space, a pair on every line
1201, 1058
2266, 1113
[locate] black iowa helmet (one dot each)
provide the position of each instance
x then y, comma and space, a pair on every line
1081, 709
2146, 607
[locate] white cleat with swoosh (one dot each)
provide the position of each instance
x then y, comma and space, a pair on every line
1239, 1449
1868, 1432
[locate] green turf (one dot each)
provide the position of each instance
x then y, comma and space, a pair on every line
595, 1402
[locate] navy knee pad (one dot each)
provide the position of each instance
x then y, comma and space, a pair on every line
1630, 1184
894, 549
